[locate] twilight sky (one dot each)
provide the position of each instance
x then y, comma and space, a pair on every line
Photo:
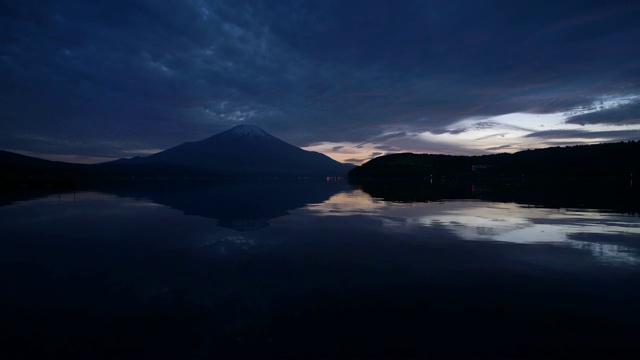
89, 81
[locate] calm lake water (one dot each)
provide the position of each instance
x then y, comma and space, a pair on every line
314, 269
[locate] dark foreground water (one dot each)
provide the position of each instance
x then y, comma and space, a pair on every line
313, 269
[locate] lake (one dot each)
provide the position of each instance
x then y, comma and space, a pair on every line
312, 268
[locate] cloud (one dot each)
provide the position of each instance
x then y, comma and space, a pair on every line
501, 147
161, 73
619, 135
385, 137
465, 126
620, 115
502, 134
386, 147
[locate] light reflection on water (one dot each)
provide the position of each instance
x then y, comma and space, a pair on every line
606, 235
253, 270
501, 222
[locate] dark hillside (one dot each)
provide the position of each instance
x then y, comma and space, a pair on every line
20, 170
602, 160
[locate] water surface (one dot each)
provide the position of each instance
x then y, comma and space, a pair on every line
313, 269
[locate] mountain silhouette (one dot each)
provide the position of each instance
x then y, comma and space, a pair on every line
246, 150
17, 169
620, 159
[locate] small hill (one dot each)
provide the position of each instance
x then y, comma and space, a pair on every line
17, 169
601, 160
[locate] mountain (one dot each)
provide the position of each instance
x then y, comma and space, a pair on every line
602, 160
21, 169
17, 162
245, 150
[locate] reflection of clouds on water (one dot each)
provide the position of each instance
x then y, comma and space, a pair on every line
500, 222
523, 225
607, 252
348, 203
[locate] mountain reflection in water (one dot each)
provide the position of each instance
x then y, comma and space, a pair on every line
243, 204
305, 269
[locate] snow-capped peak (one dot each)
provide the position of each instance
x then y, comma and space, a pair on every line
247, 130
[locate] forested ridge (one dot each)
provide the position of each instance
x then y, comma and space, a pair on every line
610, 159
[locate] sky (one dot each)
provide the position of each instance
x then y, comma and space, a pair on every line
90, 81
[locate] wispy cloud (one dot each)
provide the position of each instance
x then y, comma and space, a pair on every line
582, 134
619, 115
501, 147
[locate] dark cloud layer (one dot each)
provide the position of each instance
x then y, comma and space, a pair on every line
108, 78
568, 134
621, 115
